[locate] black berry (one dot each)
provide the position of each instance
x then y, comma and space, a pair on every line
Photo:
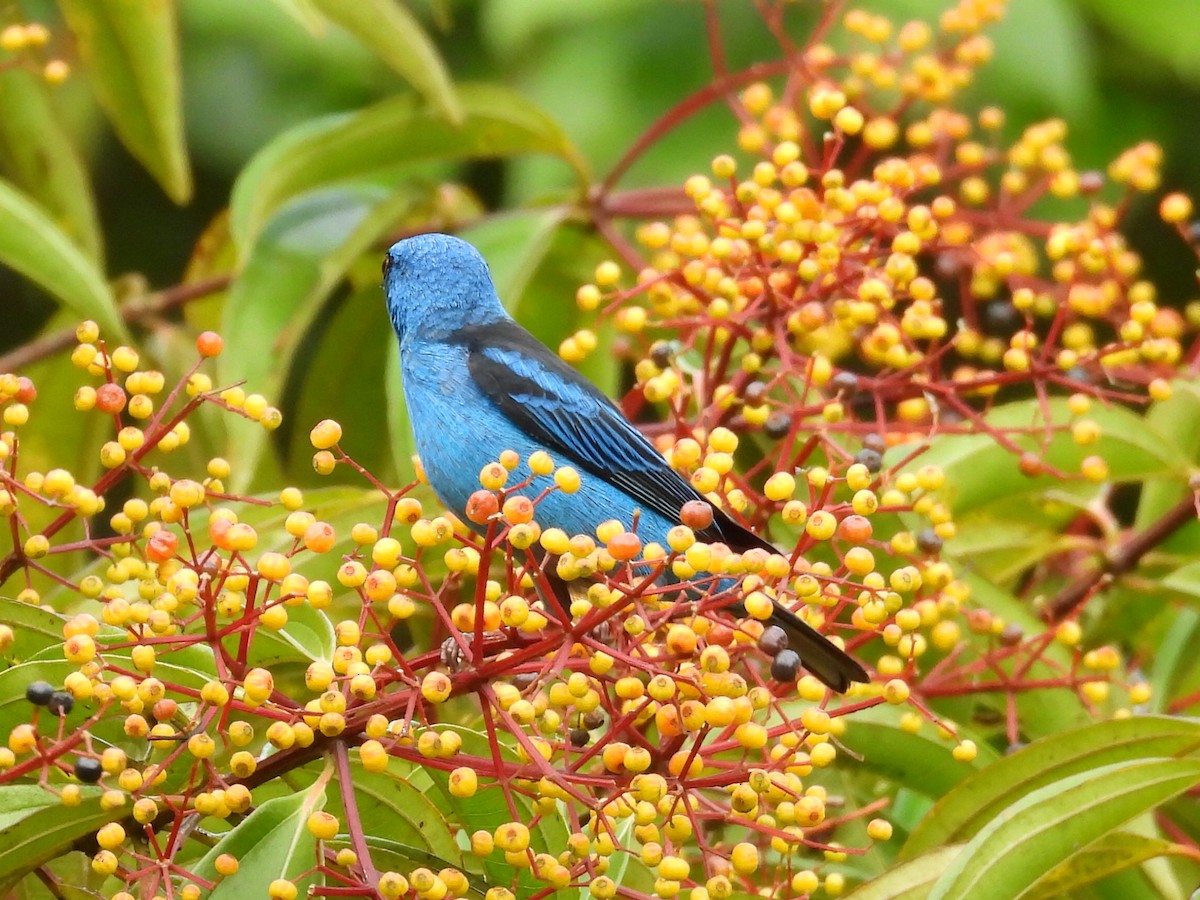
929, 541
773, 640
61, 703
39, 692
786, 665
778, 425
88, 770
872, 459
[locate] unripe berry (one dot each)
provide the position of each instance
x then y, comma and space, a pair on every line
464, 782
323, 826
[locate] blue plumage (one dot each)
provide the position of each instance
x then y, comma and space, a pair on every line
476, 383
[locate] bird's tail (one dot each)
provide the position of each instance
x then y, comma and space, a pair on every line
818, 654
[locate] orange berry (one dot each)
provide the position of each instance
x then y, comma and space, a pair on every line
110, 398
696, 514
319, 537
518, 510
481, 506
855, 529
209, 343
624, 546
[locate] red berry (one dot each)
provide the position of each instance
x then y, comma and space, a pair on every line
110, 398
855, 529
625, 545
164, 710
518, 510
696, 514
481, 506
1030, 464
209, 343
162, 546
26, 391
218, 530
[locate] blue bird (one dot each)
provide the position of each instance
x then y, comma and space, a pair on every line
477, 383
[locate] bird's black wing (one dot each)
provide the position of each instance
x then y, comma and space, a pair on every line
552, 403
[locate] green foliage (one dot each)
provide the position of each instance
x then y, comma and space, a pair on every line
1025, 734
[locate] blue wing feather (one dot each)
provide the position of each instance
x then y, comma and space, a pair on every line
548, 400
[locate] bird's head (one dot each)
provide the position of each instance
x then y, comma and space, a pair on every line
435, 284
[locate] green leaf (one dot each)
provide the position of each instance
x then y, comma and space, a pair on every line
398, 811
36, 827
34, 628
298, 260
1162, 30
396, 37
304, 12
999, 510
1176, 419
984, 796
1185, 580
307, 637
1030, 33
909, 880
1112, 853
358, 322
132, 53
33, 245
488, 809
1174, 657
272, 842
497, 122
986, 473
399, 429
38, 154
920, 762
1048, 826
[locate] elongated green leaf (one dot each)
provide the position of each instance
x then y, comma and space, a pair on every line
357, 322
400, 436
34, 628
308, 636
33, 245
41, 158
298, 261
400, 812
992, 500
305, 13
979, 472
982, 798
132, 53
919, 762
1174, 657
403, 130
1185, 579
488, 810
35, 827
1049, 825
1177, 419
1162, 31
396, 37
272, 842
1110, 854
909, 880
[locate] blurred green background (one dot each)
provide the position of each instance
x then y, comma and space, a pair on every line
604, 69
